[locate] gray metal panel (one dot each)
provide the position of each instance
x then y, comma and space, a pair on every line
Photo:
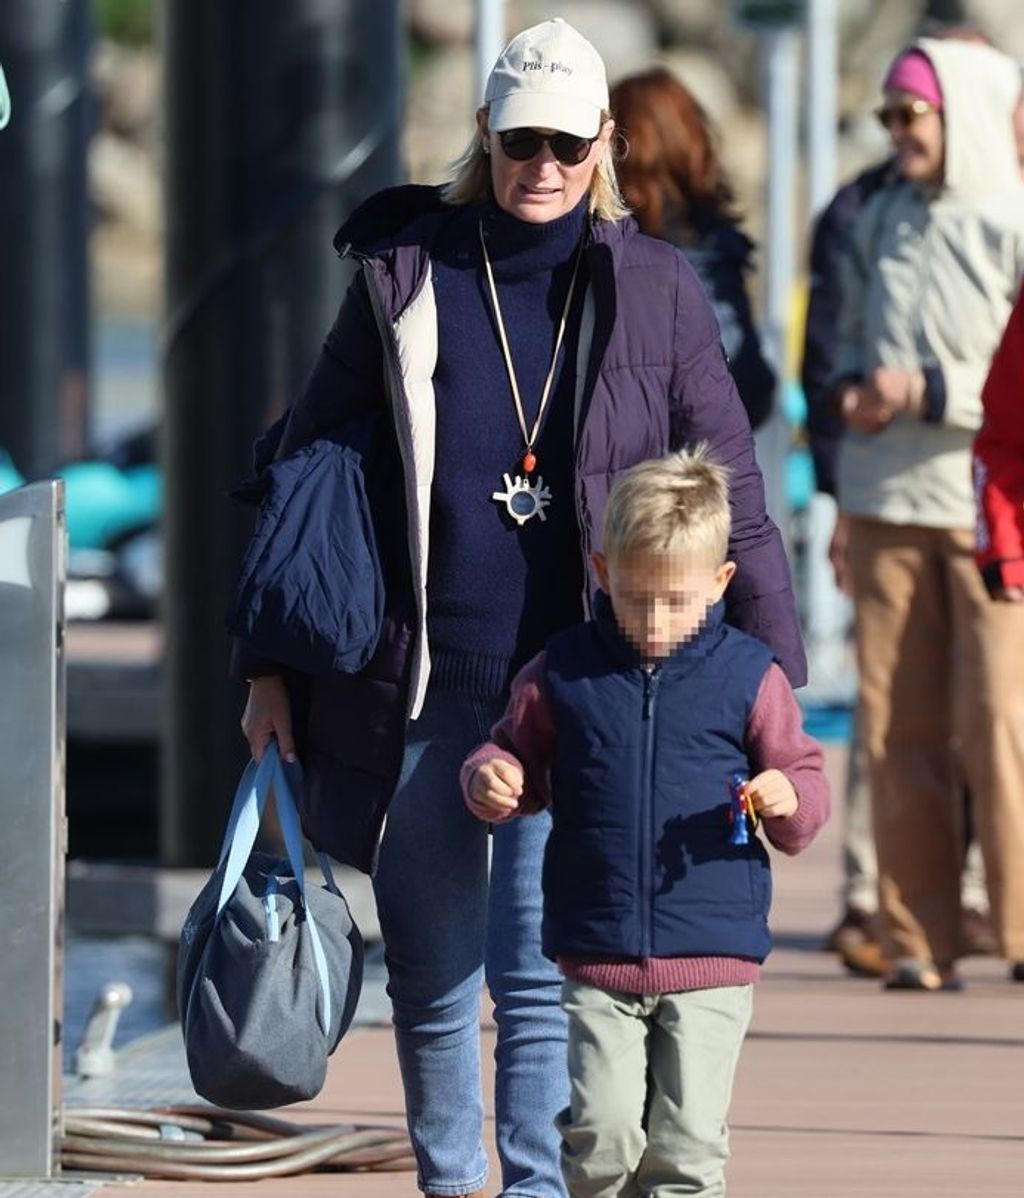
32, 568
56, 1188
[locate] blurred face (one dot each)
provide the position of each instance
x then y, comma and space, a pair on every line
917, 134
541, 187
661, 599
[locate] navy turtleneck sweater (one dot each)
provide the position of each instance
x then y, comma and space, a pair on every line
495, 590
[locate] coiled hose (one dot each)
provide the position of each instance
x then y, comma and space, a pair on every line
200, 1143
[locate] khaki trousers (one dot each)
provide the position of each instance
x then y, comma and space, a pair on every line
941, 701
651, 1080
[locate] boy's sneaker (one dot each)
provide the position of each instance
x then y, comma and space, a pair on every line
911, 974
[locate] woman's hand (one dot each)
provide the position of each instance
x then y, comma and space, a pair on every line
494, 790
897, 390
267, 714
1009, 595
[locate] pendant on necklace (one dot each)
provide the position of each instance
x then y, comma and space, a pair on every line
522, 499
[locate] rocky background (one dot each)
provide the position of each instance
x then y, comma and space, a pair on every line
699, 39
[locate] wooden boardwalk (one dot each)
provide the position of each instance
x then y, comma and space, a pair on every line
843, 1091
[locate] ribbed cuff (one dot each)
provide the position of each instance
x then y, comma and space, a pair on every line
934, 410
1007, 572
479, 674
661, 975
245, 662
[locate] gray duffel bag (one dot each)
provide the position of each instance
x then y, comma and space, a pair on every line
269, 970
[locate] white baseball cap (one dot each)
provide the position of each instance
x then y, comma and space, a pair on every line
548, 77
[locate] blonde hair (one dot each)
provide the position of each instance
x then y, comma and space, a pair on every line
471, 179
675, 504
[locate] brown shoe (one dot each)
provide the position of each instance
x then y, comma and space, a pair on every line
863, 956
977, 936
852, 918
855, 940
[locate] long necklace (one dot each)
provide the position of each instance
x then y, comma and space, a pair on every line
521, 498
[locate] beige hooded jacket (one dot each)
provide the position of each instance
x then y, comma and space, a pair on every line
929, 285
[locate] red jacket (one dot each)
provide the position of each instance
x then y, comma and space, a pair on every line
999, 462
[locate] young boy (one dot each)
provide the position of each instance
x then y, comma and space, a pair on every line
632, 727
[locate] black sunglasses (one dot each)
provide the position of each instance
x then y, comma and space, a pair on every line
523, 144
904, 114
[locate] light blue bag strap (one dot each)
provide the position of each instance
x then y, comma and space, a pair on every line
5, 101
288, 818
293, 776
245, 784
244, 822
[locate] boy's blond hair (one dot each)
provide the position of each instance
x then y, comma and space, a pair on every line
676, 504
471, 180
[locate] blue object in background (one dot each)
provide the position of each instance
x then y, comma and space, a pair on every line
9, 476
800, 480
829, 722
105, 503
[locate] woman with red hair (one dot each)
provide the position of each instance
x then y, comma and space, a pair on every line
672, 178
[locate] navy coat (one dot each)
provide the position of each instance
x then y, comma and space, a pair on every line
833, 234
721, 257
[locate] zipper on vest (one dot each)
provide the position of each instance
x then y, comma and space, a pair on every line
651, 677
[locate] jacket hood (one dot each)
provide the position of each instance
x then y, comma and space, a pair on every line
980, 89
383, 219
396, 216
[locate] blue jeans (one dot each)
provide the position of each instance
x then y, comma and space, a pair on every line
443, 925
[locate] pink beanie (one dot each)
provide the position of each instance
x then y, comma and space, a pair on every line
913, 72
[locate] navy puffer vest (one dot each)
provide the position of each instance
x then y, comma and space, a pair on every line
639, 862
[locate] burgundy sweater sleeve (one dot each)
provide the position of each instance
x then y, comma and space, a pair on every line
776, 740
524, 736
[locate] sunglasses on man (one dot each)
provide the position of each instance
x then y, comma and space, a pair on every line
523, 144
904, 113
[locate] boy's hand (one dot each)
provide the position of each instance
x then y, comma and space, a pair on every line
772, 795
494, 790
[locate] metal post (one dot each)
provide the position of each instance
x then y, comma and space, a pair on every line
280, 119
489, 39
822, 109
32, 566
826, 611
779, 53
44, 327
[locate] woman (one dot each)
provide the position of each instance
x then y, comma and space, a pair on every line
930, 280
523, 346
673, 180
